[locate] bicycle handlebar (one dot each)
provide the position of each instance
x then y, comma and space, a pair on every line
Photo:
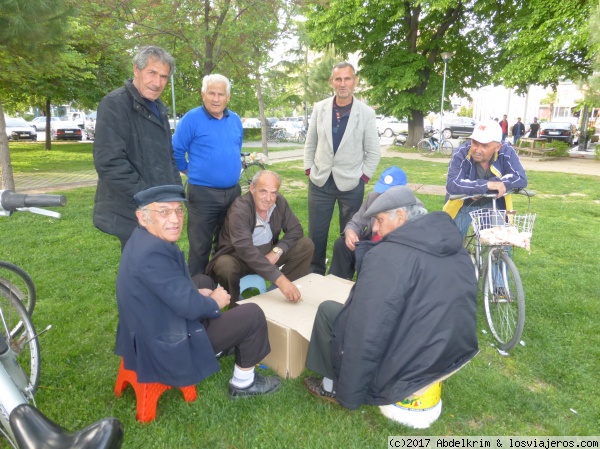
492, 194
11, 201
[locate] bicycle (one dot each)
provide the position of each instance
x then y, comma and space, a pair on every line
495, 235
23, 425
429, 145
250, 167
17, 280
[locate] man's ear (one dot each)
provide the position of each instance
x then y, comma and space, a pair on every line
400, 217
141, 217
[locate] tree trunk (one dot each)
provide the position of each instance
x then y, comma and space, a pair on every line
48, 126
415, 129
8, 181
261, 106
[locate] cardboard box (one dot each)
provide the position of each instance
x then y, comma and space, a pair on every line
290, 324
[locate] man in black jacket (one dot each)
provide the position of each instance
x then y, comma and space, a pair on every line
132, 145
410, 319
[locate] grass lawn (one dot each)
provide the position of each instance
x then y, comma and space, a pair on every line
548, 386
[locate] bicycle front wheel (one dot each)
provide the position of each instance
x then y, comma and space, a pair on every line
16, 326
424, 147
503, 299
446, 148
16, 279
248, 173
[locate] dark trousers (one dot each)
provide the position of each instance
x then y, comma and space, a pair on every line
343, 261
321, 203
228, 269
207, 209
318, 358
243, 328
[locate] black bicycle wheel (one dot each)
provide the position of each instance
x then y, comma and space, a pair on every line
16, 326
20, 283
424, 147
248, 173
503, 299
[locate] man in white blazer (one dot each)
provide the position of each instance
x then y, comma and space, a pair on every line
341, 154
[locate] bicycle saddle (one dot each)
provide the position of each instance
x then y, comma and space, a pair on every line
33, 430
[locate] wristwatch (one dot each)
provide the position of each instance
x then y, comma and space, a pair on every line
277, 250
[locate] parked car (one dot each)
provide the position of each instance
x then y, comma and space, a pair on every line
390, 126
459, 126
251, 123
39, 123
18, 129
272, 120
292, 128
66, 130
562, 131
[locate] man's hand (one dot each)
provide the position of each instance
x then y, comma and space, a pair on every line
497, 185
351, 239
289, 290
220, 295
272, 257
205, 291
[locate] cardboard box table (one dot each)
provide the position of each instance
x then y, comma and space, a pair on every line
290, 324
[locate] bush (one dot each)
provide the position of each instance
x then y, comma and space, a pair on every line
561, 149
252, 133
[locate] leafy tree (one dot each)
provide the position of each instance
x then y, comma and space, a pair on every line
24, 29
400, 49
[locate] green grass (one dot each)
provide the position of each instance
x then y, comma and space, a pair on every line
531, 392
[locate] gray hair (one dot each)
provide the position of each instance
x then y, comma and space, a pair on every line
146, 212
150, 51
256, 176
215, 78
343, 65
412, 212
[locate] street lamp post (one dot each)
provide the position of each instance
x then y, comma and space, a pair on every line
446, 56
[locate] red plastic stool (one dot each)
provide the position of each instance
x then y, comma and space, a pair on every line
147, 394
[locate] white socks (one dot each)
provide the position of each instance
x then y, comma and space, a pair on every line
242, 378
328, 384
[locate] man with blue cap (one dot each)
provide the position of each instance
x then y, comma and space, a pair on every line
170, 326
361, 228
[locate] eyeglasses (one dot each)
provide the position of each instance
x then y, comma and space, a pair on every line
166, 213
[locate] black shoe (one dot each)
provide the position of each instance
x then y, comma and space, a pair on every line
261, 385
315, 387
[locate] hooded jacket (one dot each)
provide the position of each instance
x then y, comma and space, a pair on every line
411, 316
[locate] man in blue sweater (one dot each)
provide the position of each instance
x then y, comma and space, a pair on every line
207, 145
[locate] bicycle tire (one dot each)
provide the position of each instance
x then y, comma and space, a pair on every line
503, 299
301, 138
424, 147
248, 173
16, 324
19, 281
473, 247
446, 148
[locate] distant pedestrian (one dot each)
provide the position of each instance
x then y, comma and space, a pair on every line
534, 128
518, 130
132, 143
504, 126
340, 156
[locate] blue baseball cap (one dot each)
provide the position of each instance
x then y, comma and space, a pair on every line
393, 176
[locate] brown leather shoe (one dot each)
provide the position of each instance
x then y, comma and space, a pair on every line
315, 387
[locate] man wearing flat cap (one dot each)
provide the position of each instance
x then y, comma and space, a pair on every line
170, 326
410, 319
480, 165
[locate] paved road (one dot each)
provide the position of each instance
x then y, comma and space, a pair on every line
580, 163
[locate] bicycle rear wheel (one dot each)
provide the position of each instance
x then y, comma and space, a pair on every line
424, 147
21, 284
446, 148
503, 299
248, 173
16, 325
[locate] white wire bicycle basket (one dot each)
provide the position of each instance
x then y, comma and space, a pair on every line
503, 228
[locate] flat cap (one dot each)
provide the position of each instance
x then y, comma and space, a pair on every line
159, 194
393, 198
